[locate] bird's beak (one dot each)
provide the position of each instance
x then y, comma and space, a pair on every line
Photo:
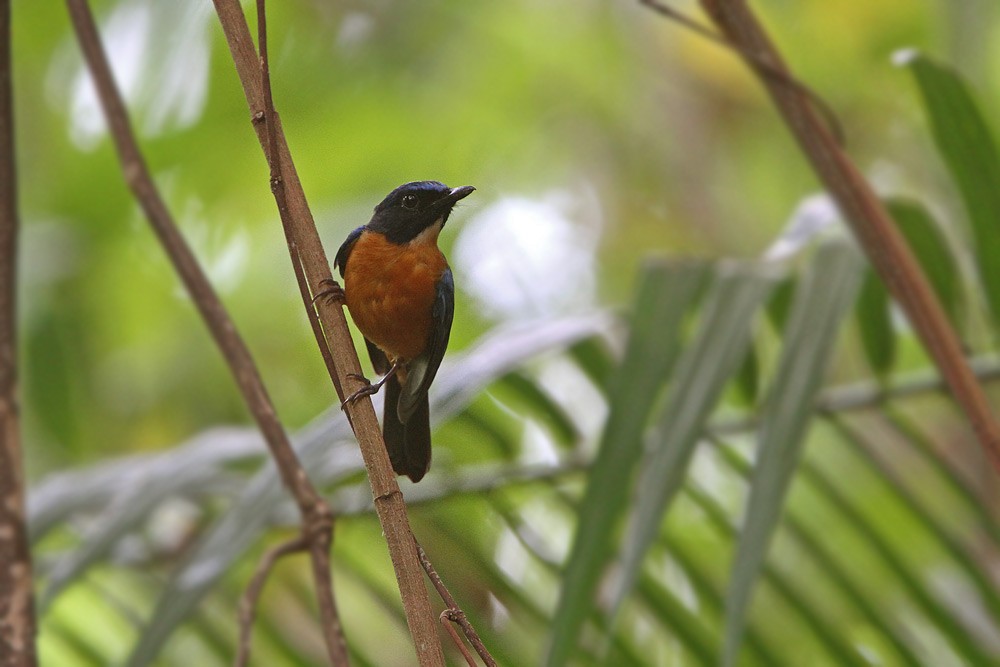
442, 207
455, 194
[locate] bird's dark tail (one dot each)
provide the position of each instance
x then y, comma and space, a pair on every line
409, 444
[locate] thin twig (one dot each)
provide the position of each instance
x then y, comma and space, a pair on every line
333, 634
305, 247
317, 518
761, 63
248, 603
454, 612
17, 603
447, 619
871, 223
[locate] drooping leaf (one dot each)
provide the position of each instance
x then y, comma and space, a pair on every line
940, 617
967, 145
748, 376
536, 402
703, 371
924, 447
488, 431
820, 303
962, 559
873, 307
929, 245
833, 569
696, 638
666, 293
780, 302
594, 359
875, 324
709, 594
811, 615
77, 644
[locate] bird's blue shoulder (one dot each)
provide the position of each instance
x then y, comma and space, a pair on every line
345, 249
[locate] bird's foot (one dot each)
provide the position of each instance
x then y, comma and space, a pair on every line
370, 388
333, 294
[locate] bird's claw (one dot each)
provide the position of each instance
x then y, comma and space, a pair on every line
368, 389
333, 294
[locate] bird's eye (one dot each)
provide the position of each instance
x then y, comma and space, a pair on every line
410, 201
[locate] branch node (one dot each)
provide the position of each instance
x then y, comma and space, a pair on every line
454, 613
382, 497
446, 622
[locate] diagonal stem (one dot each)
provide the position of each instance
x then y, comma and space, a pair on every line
871, 223
317, 521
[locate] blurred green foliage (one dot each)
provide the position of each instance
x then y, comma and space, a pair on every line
673, 139
627, 129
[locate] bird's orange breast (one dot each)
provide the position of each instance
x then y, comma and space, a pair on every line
390, 291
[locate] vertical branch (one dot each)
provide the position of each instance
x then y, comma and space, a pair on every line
320, 545
17, 607
311, 265
871, 223
317, 520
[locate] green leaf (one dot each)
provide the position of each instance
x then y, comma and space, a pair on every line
666, 293
812, 616
685, 626
929, 245
703, 371
820, 303
914, 582
781, 302
939, 530
748, 377
481, 417
872, 310
925, 449
709, 595
831, 568
536, 402
932, 251
967, 145
78, 643
595, 360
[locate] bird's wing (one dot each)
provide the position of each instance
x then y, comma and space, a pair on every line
421, 371
345, 249
380, 362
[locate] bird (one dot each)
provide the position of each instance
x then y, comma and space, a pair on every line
400, 293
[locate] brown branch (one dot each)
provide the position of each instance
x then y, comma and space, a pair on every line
333, 630
305, 247
454, 613
17, 604
874, 228
765, 67
447, 622
317, 520
248, 603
